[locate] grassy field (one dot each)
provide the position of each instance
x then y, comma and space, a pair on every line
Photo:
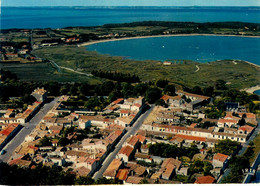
239, 75
256, 150
45, 72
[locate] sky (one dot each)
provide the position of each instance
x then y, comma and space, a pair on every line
130, 2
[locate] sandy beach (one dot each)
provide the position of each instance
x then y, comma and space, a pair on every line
169, 35
252, 89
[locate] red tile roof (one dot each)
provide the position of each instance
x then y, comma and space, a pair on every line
227, 121
112, 168
137, 105
246, 128
9, 129
193, 125
220, 157
127, 150
132, 140
165, 97
118, 101
122, 174
124, 111
205, 180
140, 138
185, 137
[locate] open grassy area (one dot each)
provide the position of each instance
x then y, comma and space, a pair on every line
256, 149
239, 75
45, 72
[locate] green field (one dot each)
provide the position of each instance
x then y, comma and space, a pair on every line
46, 72
239, 75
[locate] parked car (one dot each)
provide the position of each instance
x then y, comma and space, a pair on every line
3, 152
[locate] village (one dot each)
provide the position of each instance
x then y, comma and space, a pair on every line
81, 141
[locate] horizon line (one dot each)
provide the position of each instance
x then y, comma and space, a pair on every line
127, 6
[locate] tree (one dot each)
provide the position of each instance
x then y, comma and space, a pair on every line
139, 89
84, 180
84, 89
220, 84
162, 83
208, 91
197, 90
169, 90
63, 141
160, 102
45, 141
152, 94
226, 146
241, 122
127, 90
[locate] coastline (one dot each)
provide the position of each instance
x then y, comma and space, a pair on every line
251, 90
248, 90
169, 35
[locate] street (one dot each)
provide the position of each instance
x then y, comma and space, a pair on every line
243, 149
130, 132
27, 129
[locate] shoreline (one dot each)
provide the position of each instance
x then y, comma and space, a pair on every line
251, 90
169, 35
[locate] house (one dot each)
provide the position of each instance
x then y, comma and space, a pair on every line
82, 171
9, 113
191, 96
220, 161
123, 121
205, 180
143, 157
122, 174
113, 168
144, 148
87, 162
246, 129
141, 139
169, 167
11, 55
126, 153
132, 141
40, 94
133, 180
55, 129
196, 104
140, 171
124, 113
8, 132
118, 101
20, 162
226, 122
113, 137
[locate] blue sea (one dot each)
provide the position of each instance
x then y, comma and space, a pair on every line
195, 48
59, 17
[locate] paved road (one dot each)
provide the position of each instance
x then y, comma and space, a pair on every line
243, 149
130, 132
19, 138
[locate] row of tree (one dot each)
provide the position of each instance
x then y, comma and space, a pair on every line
167, 150
116, 76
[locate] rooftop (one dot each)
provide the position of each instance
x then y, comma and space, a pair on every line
112, 168
220, 157
122, 174
205, 180
127, 150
